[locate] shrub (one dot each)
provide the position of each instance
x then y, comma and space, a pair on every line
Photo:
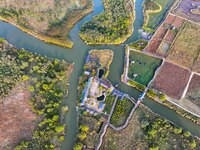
60, 129
78, 146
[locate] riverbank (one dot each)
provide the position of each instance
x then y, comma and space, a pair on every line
161, 134
154, 12
116, 30
147, 12
38, 85
63, 29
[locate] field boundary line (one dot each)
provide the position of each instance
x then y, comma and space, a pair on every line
185, 109
187, 86
106, 126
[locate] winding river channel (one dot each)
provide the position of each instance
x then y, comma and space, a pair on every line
77, 56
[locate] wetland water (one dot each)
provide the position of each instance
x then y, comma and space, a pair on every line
77, 56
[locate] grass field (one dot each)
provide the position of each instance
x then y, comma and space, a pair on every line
121, 112
186, 49
142, 66
155, 12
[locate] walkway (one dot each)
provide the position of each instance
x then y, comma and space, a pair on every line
106, 125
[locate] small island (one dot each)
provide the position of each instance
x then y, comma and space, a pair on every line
113, 26
100, 103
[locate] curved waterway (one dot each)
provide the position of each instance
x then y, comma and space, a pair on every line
77, 56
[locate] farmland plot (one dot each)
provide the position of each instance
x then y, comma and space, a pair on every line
171, 80
189, 9
186, 49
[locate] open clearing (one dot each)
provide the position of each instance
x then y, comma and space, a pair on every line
17, 120
142, 67
186, 49
171, 80
193, 93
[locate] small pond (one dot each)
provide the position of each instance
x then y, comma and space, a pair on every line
101, 72
100, 98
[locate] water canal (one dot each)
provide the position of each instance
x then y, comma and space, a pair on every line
77, 56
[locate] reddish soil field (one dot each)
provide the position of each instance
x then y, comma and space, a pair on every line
170, 36
169, 19
178, 22
154, 45
17, 120
193, 92
195, 83
171, 80
161, 32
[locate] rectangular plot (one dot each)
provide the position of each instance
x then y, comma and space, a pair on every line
185, 50
142, 67
171, 80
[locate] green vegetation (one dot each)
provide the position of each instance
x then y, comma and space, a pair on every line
121, 112
159, 133
47, 81
136, 85
109, 103
139, 45
162, 98
154, 12
182, 112
142, 67
114, 25
152, 94
78, 146
2, 40
147, 130
10, 73
89, 130
156, 95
